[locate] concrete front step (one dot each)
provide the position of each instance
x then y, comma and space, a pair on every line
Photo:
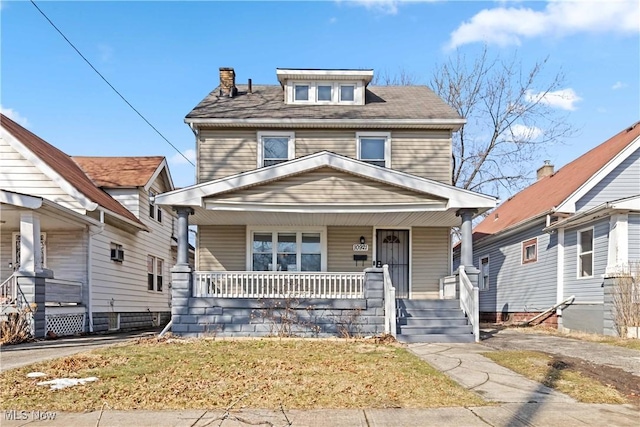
430, 313
436, 338
439, 304
432, 321
427, 330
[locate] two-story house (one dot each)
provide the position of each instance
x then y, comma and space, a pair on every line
303, 185
105, 247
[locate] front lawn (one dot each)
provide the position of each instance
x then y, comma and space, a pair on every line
207, 374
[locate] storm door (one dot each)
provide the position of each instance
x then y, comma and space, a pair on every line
392, 248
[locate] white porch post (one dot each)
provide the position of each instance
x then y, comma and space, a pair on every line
618, 254
466, 244
30, 244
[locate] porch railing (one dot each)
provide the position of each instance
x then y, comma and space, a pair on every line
11, 296
63, 291
260, 284
470, 301
389, 303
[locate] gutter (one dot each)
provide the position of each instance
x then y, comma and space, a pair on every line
122, 218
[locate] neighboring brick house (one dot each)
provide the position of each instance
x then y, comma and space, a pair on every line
106, 249
564, 236
303, 185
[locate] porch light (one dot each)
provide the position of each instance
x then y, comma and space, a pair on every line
362, 240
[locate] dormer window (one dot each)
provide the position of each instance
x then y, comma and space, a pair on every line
324, 92
301, 92
347, 93
275, 147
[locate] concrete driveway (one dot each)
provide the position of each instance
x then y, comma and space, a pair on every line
15, 356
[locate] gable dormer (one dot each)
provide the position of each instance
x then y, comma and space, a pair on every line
324, 87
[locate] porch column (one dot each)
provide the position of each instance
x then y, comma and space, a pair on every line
618, 254
183, 233
466, 244
30, 244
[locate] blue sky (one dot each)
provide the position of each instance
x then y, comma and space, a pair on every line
164, 58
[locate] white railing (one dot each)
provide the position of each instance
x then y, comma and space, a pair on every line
260, 284
389, 303
9, 290
470, 301
448, 287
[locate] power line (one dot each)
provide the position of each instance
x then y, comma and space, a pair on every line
110, 85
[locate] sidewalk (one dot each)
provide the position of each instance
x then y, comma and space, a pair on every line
511, 415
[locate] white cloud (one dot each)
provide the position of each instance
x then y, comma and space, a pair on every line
333, 20
529, 133
177, 159
563, 99
619, 85
389, 7
106, 52
504, 26
14, 115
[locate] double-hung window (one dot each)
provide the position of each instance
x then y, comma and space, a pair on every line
275, 147
154, 211
530, 251
585, 253
374, 148
155, 273
484, 273
286, 250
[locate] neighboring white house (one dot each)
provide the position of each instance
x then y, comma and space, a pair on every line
106, 249
564, 236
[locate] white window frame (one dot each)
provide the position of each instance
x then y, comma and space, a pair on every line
15, 259
579, 252
336, 85
523, 261
116, 246
387, 145
155, 212
291, 147
355, 93
484, 284
310, 93
333, 92
154, 273
251, 230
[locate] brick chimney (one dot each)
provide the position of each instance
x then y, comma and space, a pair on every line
545, 170
228, 82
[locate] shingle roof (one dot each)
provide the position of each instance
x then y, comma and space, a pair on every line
383, 102
113, 172
551, 191
66, 168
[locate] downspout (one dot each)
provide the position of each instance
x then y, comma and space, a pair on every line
90, 268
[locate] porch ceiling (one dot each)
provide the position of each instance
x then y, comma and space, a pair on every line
445, 218
50, 218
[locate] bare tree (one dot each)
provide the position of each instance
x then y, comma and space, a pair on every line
401, 78
510, 119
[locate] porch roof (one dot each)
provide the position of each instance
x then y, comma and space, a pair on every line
53, 216
419, 201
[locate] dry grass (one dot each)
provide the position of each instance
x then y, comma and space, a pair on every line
208, 374
540, 367
631, 343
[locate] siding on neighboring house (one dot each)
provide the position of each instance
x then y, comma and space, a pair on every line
340, 242
228, 152
634, 237
586, 290
20, 175
324, 185
67, 254
126, 282
221, 248
430, 260
517, 287
623, 181
127, 197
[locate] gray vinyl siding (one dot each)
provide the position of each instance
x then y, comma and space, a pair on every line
430, 258
634, 237
586, 290
222, 248
228, 152
623, 181
340, 241
517, 287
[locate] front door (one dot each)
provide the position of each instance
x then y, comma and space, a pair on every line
392, 248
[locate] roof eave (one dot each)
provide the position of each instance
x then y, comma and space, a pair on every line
452, 124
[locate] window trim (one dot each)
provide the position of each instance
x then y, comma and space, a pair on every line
355, 93
579, 252
291, 152
15, 258
484, 285
155, 212
154, 273
118, 248
387, 145
251, 230
524, 245
333, 91
310, 92
359, 92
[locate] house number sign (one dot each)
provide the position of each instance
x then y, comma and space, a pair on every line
360, 247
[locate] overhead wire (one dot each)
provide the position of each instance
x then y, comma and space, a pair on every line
109, 84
